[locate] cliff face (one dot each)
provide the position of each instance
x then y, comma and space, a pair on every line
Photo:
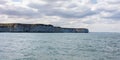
39, 28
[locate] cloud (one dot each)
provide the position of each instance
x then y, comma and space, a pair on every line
115, 16
113, 1
62, 11
66, 13
2, 2
18, 11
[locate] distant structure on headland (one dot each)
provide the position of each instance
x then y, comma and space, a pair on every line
40, 28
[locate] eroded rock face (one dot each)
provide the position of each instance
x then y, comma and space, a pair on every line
42, 28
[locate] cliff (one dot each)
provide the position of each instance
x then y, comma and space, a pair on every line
42, 28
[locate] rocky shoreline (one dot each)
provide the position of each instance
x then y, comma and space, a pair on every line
39, 28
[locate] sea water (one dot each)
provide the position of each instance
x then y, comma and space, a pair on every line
59, 46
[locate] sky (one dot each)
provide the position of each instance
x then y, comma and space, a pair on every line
96, 15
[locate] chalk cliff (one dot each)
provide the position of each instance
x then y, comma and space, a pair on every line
42, 28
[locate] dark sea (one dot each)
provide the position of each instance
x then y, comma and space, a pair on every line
59, 46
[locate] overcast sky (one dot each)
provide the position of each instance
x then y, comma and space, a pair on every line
96, 15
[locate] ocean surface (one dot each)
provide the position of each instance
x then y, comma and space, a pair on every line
59, 46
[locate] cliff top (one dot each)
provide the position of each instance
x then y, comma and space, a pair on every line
14, 24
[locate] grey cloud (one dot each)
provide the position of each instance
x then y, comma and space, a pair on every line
2, 2
89, 22
105, 9
48, 9
70, 14
51, 10
72, 6
19, 12
114, 1
54, 0
115, 16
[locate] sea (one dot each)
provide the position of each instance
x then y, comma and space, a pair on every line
60, 46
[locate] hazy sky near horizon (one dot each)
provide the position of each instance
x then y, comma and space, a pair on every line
96, 15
